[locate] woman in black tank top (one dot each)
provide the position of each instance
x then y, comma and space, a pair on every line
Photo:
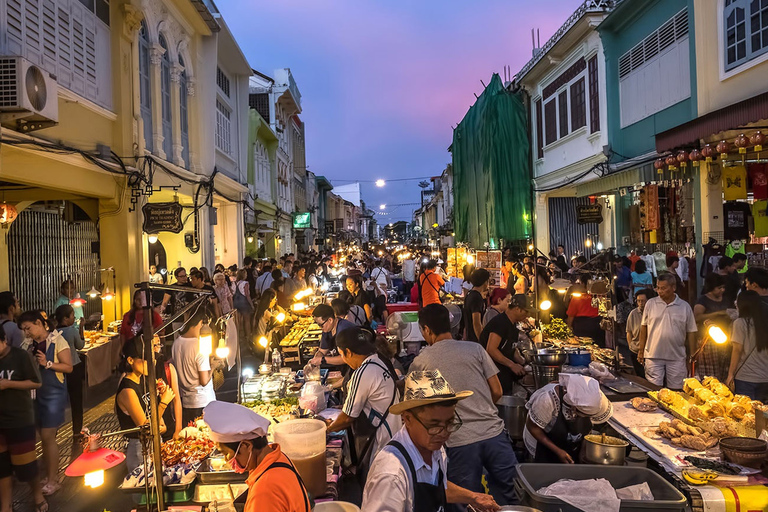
132, 398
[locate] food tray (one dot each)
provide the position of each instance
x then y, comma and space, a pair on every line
624, 387
741, 430
207, 475
174, 493
532, 477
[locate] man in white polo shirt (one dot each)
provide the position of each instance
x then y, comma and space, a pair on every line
668, 326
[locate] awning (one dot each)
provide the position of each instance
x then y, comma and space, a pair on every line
617, 180
731, 117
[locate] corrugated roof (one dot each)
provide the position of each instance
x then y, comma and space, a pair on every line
731, 117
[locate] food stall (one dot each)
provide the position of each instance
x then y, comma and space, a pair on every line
101, 355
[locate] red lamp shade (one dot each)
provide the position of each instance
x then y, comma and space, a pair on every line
682, 156
723, 147
659, 164
77, 302
98, 460
708, 151
671, 161
741, 142
695, 155
757, 139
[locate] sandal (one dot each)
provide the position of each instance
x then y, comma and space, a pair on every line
51, 488
41, 507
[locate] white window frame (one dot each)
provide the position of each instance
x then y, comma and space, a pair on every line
555, 96
722, 49
145, 84
223, 127
166, 110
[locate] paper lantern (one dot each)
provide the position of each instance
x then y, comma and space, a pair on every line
757, 139
659, 165
682, 158
695, 156
708, 152
723, 147
672, 162
8, 214
741, 142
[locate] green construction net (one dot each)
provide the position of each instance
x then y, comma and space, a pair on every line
492, 185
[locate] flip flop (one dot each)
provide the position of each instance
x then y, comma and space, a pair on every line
51, 488
41, 507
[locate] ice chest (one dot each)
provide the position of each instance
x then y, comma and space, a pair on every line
532, 477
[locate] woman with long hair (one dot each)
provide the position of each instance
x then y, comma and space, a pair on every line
641, 278
748, 372
131, 408
54, 358
65, 324
264, 320
223, 293
133, 321
206, 275
518, 283
241, 301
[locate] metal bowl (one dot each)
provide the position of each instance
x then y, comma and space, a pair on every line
550, 357
612, 452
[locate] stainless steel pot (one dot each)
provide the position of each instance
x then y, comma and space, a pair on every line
550, 357
611, 452
543, 375
512, 410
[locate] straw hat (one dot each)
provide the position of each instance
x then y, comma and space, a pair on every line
426, 388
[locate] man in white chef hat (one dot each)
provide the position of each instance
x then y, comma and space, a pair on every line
241, 435
559, 416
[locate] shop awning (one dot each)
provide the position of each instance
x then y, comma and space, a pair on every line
731, 117
617, 180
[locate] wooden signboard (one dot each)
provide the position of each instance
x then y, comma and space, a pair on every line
162, 217
589, 213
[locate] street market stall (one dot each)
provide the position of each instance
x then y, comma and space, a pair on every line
101, 355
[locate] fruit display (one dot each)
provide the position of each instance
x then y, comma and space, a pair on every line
687, 436
643, 404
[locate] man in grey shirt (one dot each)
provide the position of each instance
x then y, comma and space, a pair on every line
9, 310
634, 321
481, 442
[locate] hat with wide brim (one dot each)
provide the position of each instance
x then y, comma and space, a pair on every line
426, 388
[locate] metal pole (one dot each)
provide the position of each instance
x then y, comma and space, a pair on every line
154, 417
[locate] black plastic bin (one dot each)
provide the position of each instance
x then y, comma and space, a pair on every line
532, 477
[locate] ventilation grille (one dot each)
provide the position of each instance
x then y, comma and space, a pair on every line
9, 93
674, 29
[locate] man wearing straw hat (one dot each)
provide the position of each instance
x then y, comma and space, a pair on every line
409, 473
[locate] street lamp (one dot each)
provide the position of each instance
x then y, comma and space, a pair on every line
382, 206
152, 238
380, 183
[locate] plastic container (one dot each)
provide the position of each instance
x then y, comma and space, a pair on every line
303, 441
532, 477
579, 358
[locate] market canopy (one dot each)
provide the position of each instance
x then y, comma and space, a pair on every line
492, 185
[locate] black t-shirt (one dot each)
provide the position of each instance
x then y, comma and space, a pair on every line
736, 216
505, 329
17, 410
732, 285
209, 308
362, 299
180, 299
473, 303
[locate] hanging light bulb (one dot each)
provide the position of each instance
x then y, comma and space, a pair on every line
108, 295
152, 238
588, 242
717, 334
205, 340
77, 302
222, 351
93, 292
250, 239
263, 342
545, 305
280, 317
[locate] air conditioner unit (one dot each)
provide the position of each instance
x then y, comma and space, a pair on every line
28, 95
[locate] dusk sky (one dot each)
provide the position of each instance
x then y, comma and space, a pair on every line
383, 82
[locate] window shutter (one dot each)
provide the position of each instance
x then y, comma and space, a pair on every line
594, 96
78, 53
562, 100
15, 26
578, 105
539, 131
64, 48
550, 121
32, 36
49, 35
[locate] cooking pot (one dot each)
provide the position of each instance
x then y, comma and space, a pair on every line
512, 410
604, 449
579, 357
550, 357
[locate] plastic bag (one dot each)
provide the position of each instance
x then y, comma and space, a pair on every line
639, 492
599, 371
313, 397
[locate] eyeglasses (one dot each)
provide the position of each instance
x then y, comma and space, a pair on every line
450, 427
324, 322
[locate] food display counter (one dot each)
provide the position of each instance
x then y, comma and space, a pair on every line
301, 342
101, 355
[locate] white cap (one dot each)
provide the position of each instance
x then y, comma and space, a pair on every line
230, 423
584, 393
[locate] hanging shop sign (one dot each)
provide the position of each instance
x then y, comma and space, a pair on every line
302, 220
652, 215
589, 213
162, 217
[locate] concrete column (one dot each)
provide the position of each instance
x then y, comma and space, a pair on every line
176, 71
541, 222
155, 58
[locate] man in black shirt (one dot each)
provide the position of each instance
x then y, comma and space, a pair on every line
499, 338
726, 267
756, 279
475, 304
212, 305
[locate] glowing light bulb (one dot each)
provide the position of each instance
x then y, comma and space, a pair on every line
545, 305
576, 294
263, 342
250, 239
717, 334
205, 341
380, 183
152, 239
470, 259
222, 352
530, 247
588, 242
299, 306
108, 295
382, 207
280, 317
248, 372
93, 292
94, 479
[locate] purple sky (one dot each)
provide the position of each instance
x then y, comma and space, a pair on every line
383, 82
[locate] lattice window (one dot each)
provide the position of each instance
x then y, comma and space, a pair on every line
222, 81
184, 114
223, 127
165, 92
145, 87
578, 105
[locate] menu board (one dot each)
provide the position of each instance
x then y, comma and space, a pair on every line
491, 261
457, 258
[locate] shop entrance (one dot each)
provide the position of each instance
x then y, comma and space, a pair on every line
48, 243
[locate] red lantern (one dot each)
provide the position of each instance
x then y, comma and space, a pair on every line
723, 147
741, 142
659, 165
672, 162
757, 139
682, 158
8, 214
708, 152
695, 157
